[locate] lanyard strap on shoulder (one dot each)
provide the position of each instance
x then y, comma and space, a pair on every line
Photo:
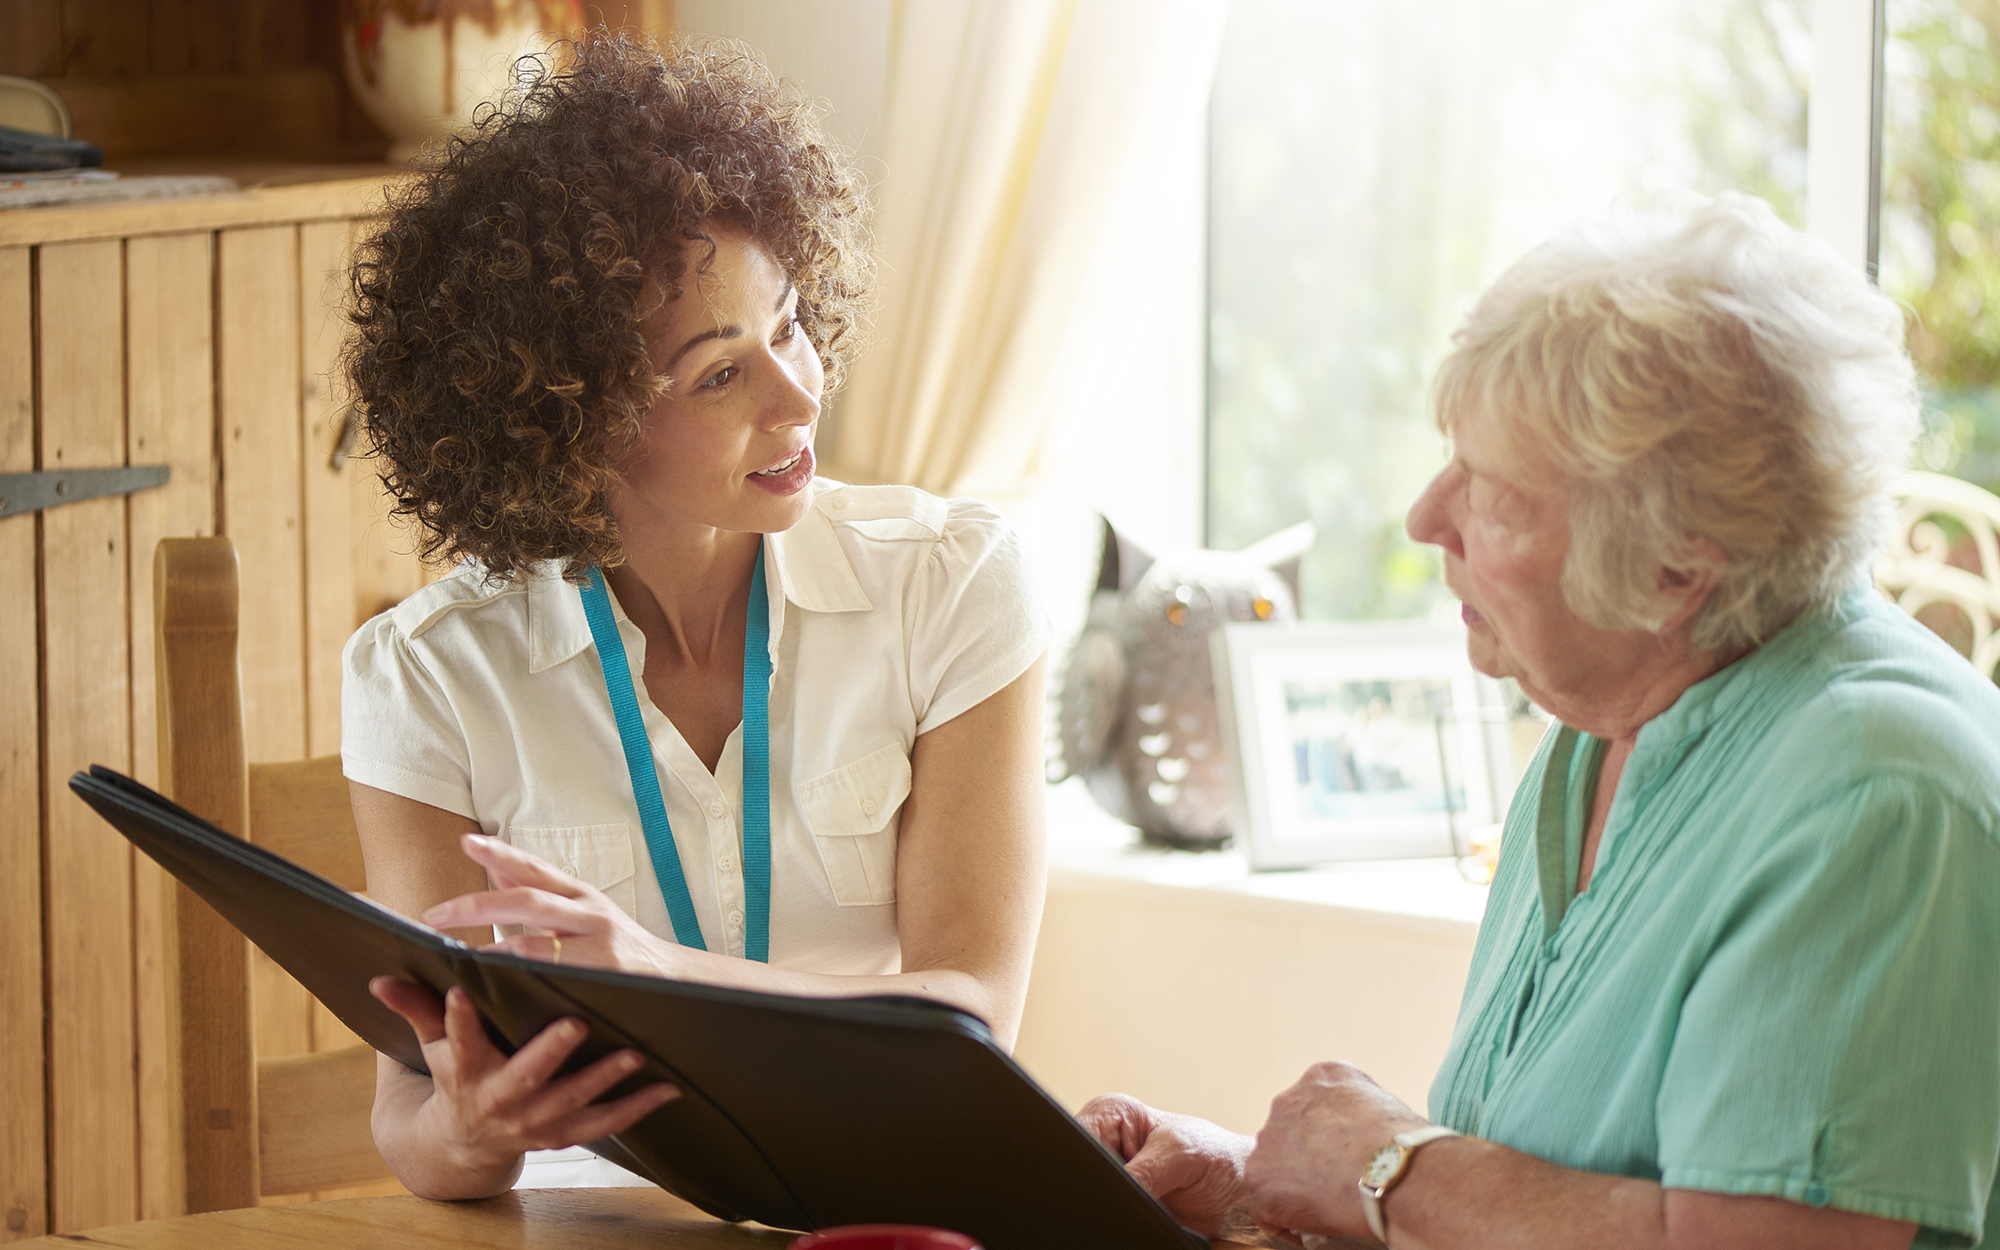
757, 770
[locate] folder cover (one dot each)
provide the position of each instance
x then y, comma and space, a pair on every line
796, 1112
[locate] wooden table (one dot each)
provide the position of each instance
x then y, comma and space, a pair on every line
525, 1219
573, 1219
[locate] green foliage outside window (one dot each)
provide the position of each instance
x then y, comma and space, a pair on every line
1941, 221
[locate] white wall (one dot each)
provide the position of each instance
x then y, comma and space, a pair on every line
835, 50
1211, 1002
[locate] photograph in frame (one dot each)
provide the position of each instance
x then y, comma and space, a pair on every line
1356, 740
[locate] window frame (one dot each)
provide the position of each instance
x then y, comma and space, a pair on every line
1844, 129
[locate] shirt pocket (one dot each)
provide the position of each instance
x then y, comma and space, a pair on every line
853, 812
598, 854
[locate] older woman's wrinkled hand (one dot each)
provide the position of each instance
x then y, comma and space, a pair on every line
1193, 1167
1302, 1173
580, 926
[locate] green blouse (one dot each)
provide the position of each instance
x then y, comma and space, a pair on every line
1782, 979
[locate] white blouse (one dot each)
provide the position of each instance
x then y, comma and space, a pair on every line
892, 611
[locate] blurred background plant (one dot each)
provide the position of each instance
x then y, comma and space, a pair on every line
1940, 214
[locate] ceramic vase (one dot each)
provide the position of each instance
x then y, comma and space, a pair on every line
420, 67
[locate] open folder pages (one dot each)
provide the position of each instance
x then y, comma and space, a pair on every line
796, 1112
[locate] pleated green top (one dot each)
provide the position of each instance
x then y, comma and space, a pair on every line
1784, 978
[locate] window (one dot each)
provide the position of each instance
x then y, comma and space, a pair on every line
1374, 166
1940, 222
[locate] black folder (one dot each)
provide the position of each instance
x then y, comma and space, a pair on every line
797, 1112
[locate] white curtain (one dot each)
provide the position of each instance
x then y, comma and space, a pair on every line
1011, 125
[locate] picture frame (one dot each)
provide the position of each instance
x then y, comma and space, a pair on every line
1357, 739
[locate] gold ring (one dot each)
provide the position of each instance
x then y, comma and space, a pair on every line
558, 945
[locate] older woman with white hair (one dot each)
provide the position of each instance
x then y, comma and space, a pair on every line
1735, 983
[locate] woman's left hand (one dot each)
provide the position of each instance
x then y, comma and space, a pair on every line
1302, 1174
593, 931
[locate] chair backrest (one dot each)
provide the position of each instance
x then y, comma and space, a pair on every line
1942, 564
247, 1127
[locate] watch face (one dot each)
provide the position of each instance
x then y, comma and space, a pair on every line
1383, 1166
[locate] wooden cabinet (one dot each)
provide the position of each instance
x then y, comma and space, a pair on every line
197, 334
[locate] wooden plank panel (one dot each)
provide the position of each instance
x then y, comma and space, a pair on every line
289, 111
258, 406
104, 38
257, 354
86, 707
331, 523
30, 39
170, 364
282, 28
213, 33
329, 529
170, 37
170, 361
23, 1157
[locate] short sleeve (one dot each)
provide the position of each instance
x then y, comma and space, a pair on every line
1840, 1045
977, 620
398, 731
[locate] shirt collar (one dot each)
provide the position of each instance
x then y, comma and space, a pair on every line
1720, 694
807, 567
557, 629
811, 568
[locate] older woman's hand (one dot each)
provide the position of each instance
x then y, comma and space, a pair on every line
1193, 1167
1301, 1175
593, 931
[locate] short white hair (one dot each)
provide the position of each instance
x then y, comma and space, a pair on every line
1699, 372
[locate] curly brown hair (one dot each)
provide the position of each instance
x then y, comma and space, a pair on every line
497, 361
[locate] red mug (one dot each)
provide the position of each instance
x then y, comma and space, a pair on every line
885, 1237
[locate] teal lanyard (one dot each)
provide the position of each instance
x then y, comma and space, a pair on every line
646, 778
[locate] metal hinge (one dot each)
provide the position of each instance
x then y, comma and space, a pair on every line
32, 492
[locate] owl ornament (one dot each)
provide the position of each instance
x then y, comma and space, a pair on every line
1136, 707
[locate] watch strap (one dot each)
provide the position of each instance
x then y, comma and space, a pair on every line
1428, 1133
1407, 1143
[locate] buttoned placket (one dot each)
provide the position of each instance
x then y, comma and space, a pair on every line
724, 840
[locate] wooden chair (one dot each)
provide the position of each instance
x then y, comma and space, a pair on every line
1942, 564
247, 1126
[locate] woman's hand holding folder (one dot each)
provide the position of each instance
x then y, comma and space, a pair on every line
480, 1110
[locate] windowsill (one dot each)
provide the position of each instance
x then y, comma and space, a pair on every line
1087, 844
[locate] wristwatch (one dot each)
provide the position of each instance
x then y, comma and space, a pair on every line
1386, 1167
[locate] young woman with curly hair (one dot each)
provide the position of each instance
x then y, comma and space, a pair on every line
682, 708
